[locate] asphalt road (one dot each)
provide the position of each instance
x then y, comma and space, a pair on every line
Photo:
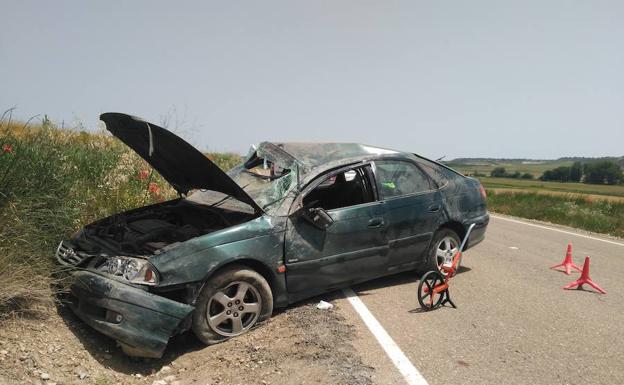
514, 323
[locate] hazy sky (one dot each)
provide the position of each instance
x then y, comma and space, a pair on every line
539, 79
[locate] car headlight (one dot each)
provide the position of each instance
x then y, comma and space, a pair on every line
135, 270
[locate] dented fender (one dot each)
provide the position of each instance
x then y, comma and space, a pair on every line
260, 241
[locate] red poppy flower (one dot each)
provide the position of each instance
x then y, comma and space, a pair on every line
143, 174
7, 148
153, 188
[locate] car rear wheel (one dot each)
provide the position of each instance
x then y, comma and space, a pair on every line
445, 243
230, 304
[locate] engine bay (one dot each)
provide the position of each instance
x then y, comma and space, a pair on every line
148, 230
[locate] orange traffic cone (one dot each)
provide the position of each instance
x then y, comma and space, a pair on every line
567, 262
585, 279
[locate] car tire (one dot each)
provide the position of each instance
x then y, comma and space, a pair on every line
439, 243
230, 304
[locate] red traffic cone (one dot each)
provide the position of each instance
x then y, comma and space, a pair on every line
585, 279
567, 262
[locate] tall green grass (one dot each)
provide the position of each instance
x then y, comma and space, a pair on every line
575, 211
52, 182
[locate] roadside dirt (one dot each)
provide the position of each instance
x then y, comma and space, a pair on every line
301, 345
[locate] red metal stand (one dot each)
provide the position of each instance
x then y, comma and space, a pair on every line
433, 283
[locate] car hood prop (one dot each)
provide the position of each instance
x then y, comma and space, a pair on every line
181, 164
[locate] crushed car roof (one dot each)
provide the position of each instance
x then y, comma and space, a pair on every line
312, 155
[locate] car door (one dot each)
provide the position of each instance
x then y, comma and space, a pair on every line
352, 249
413, 210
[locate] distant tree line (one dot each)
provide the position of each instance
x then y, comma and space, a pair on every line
572, 173
602, 172
500, 172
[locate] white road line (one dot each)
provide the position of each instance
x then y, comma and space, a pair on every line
409, 372
558, 230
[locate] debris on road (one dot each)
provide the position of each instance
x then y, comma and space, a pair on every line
324, 305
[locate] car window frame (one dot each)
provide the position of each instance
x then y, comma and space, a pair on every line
433, 165
314, 183
432, 182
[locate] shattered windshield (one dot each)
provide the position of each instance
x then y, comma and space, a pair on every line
267, 175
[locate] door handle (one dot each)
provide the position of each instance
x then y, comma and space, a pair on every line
434, 209
375, 223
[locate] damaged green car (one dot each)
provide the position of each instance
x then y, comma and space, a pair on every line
292, 221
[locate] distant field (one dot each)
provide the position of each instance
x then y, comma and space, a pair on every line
536, 186
587, 197
536, 168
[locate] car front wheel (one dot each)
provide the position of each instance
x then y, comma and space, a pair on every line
231, 303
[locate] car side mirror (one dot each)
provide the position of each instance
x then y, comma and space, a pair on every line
318, 217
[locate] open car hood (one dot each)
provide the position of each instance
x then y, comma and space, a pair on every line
181, 164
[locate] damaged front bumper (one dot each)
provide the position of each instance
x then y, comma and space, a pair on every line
140, 321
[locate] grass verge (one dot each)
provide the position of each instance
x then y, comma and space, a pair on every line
595, 215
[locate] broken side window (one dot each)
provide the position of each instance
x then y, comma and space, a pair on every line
340, 190
396, 178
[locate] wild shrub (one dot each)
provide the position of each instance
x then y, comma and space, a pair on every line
498, 172
603, 172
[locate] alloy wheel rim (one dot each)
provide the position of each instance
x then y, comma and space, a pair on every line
234, 309
447, 248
